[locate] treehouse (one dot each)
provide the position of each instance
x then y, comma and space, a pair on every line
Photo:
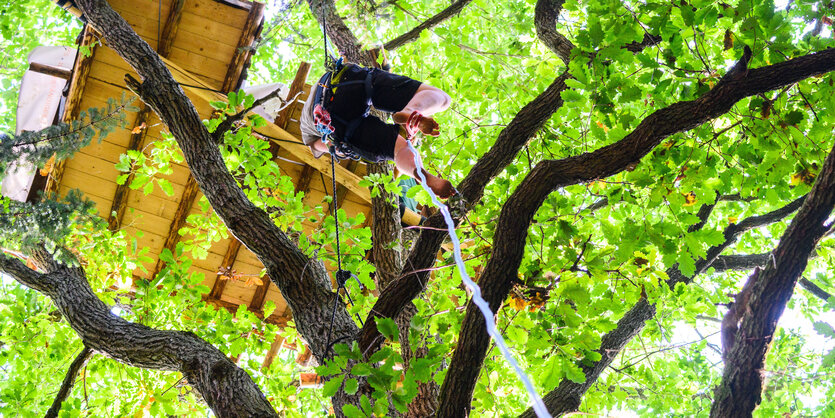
207, 46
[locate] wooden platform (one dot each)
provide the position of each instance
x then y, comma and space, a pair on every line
203, 43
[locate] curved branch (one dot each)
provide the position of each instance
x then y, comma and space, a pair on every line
433, 21
414, 277
547, 176
750, 261
23, 274
545, 20
226, 388
69, 381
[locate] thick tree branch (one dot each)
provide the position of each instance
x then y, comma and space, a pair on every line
433, 21
23, 274
303, 282
545, 20
547, 176
346, 43
69, 381
750, 261
568, 394
764, 298
227, 389
815, 289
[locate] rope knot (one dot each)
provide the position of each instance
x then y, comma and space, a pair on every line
342, 277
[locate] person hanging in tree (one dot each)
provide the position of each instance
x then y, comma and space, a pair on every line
338, 110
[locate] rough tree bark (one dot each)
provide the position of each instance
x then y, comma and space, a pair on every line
549, 175
226, 388
742, 380
545, 18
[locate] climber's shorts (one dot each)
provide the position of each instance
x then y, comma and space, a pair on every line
391, 93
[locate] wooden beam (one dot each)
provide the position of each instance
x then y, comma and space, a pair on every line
260, 296
120, 198
251, 30
50, 70
275, 347
341, 190
303, 185
304, 357
197, 91
296, 87
186, 202
73, 106
169, 31
226, 264
233, 308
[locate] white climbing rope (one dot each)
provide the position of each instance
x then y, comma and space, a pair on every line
538, 405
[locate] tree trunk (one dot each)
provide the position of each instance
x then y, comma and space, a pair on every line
764, 298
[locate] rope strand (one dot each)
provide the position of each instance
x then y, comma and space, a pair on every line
538, 405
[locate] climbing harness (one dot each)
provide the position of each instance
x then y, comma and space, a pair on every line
324, 95
538, 405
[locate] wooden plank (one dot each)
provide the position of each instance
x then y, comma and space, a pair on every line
155, 205
201, 65
250, 31
186, 201
342, 191
275, 347
50, 70
110, 69
296, 87
213, 10
147, 222
94, 165
215, 31
296, 148
225, 268
87, 183
172, 23
258, 299
101, 203
238, 291
81, 68
120, 198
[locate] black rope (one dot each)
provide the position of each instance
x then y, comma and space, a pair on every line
342, 276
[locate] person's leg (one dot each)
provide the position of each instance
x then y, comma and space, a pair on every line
427, 101
404, 159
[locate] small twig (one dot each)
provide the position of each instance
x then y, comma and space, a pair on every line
69, 381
